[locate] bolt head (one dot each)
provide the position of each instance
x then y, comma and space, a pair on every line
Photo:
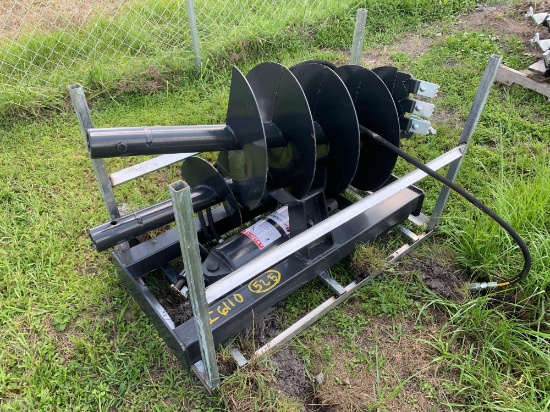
212, 266
121, 148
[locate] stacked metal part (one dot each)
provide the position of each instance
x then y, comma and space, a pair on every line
295, 129
542, 19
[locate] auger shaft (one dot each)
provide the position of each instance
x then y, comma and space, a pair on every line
154, 140
209, 189
135, 224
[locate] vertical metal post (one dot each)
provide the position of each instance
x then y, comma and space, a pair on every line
98, 165
358, 36
194, 32
467, 132
180, 193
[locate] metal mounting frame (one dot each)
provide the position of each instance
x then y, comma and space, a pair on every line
454, 157
139, 256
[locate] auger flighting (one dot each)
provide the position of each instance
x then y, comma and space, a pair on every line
295, 129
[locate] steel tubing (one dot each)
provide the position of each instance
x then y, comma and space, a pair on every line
154, 140
135, 224
133, 141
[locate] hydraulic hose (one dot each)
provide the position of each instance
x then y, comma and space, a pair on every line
473, 200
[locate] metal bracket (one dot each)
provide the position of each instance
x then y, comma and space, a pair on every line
417, 107
409, 233
543, 44
200, 372
148, 166
423, 109
421, 220
426, 89
332, 283
238, 356
418, 126
538, 18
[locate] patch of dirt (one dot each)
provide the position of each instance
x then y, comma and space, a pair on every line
291, 374
506, 20
23, 17
413, 44
66, 347
290, 371
179, 312
178, 308
87, 267
151, 80
441, 275
448, 117
389, 367
262, 331
366, 260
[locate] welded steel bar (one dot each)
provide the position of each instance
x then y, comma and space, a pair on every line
180, 193
480, 100
237, 355
277, 254
331, 283
143, 168
358, 36
98, 165
194, 32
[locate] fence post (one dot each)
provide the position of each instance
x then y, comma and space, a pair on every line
180, 193
194, 32
358, 36
480, 99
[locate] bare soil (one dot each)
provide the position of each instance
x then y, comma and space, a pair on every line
290, 372
22, 17
179, 310
441, 275
505, 21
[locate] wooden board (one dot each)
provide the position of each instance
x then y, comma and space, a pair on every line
510, 76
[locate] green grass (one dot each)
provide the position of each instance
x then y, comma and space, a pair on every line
72, 339
147, 46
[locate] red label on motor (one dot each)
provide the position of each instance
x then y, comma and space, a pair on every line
254, 238
264, 233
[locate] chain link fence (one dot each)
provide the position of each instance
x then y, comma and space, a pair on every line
45, 45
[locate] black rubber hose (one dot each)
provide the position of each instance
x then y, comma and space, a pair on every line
470, 198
